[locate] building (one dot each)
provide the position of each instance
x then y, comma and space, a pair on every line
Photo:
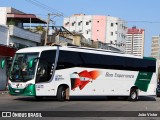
15, 22
62, 36
155, 53
106, 29
5, 53
4, 35
13, 34
135, 41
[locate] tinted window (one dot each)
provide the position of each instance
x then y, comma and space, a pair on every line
136, 64
116, 62
46, 60
68, 59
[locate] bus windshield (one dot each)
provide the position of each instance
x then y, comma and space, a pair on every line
20, 70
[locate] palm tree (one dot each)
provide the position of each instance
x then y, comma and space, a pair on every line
39, 28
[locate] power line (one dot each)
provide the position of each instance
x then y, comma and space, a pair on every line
48, 7
60, 14
34, 3
43, 6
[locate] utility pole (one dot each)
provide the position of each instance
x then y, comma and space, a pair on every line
47, 29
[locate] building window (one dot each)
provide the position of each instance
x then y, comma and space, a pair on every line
66, 23
111, 24
87, 31
111, 33
72, 24
87, 23
97, 21
97, 30
79, 23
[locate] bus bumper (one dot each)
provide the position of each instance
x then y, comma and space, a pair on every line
28, 91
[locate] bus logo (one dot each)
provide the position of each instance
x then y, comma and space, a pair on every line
17, 85
83, 78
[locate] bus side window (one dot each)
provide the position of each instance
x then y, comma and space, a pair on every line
68, 59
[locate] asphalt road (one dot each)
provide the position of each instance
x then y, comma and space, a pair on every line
88, 104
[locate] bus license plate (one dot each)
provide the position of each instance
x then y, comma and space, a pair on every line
17, 91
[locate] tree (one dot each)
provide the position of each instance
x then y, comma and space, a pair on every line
40, 28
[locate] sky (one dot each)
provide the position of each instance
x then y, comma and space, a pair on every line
143, 14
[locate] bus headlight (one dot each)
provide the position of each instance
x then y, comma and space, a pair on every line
28, 84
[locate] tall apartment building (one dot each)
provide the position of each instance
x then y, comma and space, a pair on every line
135, 41
155, 50
106, 29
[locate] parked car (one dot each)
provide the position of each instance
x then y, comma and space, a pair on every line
158, 90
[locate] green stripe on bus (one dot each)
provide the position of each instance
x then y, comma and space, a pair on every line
149, 58
28, 91
143, 80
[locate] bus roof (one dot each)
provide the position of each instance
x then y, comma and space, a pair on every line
36, 49
78, 49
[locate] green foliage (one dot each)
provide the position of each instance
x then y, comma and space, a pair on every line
40, 28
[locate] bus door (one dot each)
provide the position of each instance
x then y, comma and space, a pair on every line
45, 73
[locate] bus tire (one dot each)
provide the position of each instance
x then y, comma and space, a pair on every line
61, 93
133, 94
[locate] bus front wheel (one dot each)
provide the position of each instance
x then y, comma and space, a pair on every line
61, 93
133, 94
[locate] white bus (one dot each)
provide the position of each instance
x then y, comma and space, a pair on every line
76, 71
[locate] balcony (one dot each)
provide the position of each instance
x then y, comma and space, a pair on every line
24, 34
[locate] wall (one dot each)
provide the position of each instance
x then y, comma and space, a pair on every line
24, 34
99, 28
119, 30
4, 35
3, 16
79, 24
3, 76
17, 40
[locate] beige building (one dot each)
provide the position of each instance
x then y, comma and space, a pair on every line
155, 47
135, 41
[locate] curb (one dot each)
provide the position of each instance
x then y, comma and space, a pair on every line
3, 92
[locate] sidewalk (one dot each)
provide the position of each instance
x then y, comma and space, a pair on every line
3, 92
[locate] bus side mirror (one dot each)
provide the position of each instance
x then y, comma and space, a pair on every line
2, 64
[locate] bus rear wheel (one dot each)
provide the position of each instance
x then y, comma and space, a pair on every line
61, 93
133, 94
